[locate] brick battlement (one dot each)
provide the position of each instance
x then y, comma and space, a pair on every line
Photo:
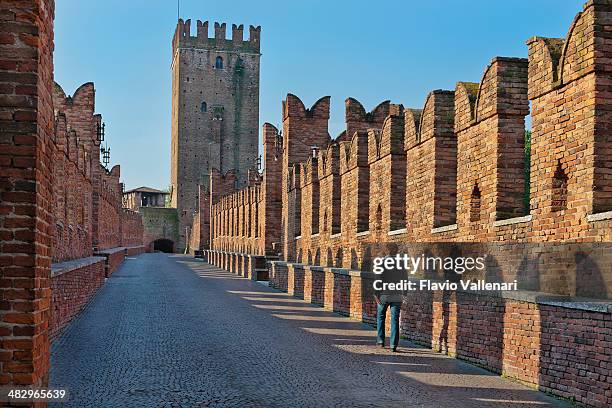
183, 38
86, 196
455, 169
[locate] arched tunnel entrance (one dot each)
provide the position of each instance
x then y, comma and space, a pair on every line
163, 245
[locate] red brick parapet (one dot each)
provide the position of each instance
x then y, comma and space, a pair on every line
545, 341
455, 170
73, 284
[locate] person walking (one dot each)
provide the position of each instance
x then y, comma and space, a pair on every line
386, 299
384, 302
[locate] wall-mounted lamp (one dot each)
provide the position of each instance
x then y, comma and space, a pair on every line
105, 151
100, 131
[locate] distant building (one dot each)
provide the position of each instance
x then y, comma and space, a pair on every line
160, 222
144, 197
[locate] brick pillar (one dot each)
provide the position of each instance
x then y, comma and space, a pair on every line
272, 188
26, 148
431, 148
303, 130
204, 211
311, 190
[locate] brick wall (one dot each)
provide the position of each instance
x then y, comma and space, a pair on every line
87, 197
113, 258
543, 341
132, 228
75, 172
109, 209
454, 171
26, 209
73, 284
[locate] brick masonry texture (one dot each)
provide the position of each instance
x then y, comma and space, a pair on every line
72, 287
159, 223
26, 129
452, 171
215, 115
59, 206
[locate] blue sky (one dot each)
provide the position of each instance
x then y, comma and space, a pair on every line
373, 51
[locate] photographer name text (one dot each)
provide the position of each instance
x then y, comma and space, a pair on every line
428, 284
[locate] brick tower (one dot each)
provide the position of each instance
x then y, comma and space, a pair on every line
215, 111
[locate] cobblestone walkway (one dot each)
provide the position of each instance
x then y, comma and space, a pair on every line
168, 330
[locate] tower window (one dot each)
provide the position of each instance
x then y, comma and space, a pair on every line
219, 63
203, 107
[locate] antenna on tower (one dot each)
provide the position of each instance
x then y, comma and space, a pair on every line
178, 10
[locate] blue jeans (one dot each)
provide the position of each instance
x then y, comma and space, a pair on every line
381, 315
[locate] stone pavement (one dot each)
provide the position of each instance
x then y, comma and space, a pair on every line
168, 330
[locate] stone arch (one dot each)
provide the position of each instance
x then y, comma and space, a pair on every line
163, 245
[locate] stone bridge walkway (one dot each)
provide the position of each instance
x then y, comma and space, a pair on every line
168, 330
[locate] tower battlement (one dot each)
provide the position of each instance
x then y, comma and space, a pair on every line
215, 110
183, 38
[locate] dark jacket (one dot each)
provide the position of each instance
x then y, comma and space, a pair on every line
390, 296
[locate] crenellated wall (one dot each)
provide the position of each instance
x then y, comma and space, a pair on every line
183, 38
75, 170
87, 197
247, 220
454, 171
109, 199
91, 232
